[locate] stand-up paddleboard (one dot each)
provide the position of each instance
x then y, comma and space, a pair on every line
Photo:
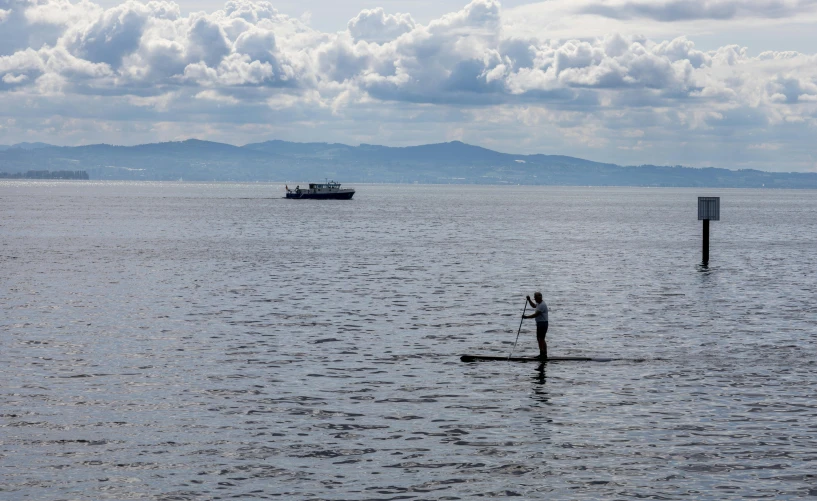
485, 358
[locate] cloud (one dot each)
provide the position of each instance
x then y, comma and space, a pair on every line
690, 10
258, 44
207, 42
11, 78
251, 12
111, 37
453, 58
377, 26
17, 32
213, 95
791, 89
247, 63
59, 13
20, 68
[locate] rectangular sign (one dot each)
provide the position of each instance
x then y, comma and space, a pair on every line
709, 208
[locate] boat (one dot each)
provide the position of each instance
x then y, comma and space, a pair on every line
329, 190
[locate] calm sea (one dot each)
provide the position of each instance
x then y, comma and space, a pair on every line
173, 341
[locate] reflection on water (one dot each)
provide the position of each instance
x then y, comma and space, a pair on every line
540, 379
204, 341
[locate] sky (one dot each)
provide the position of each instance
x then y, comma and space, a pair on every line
720, 83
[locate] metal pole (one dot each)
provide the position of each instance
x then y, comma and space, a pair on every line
705, 253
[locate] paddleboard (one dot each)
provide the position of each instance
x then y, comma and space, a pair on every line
485, 358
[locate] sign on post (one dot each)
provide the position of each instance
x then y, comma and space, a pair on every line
709, 208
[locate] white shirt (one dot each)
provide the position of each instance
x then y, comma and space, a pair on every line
543, 309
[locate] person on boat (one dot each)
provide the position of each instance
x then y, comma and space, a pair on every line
540, 313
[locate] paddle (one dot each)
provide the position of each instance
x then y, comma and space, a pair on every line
518, 330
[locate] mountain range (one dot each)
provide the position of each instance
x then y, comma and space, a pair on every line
452, 162
25, 146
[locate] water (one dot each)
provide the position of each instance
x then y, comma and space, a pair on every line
211, 341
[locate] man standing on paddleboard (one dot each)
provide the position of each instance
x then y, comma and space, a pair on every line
541, 315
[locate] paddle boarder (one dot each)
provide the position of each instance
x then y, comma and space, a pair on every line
540, 313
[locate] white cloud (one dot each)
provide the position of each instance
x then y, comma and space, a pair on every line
752, 21
111, 36
61, 13
212, 95
792, 89
619, 93
689, 10
20, 68
12, 79
765, 146
377, 26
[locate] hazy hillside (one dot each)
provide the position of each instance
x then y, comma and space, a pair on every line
453, 162
25, 146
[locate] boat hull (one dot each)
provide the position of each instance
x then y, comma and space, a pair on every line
339, 195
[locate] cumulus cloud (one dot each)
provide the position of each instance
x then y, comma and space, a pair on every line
20, 68
17, 33
627, 91
207, 42
111, 37
792, 89
59, 13
377, 26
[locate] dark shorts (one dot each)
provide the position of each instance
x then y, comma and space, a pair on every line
541, 329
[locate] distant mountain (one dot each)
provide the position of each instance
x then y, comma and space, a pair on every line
453, 162
455, 151
26, 146
192, 159
302, 150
